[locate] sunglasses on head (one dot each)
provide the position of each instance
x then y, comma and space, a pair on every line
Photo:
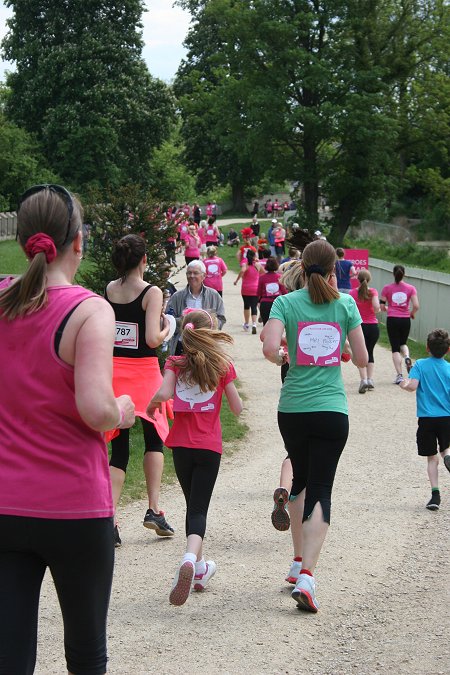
57, 189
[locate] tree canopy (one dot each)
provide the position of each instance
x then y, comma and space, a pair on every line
82, 88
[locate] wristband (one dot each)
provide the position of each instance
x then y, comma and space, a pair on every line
122, 418
382, 302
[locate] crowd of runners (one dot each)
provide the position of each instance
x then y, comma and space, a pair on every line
80, 368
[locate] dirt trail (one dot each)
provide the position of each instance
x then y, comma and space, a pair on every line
383, 577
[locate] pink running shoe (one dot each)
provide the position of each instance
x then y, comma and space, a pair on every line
182, 584
200, 580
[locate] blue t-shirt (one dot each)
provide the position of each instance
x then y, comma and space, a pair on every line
313, 388
433, 392
343, 273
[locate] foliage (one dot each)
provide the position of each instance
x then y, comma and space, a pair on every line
168, 175
127, 210
21, 165
83, 89
313, 91
409, 254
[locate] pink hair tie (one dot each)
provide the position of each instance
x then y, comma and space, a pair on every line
41, 243
189, 325
188, 310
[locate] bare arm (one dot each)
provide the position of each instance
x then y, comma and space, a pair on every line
415, 306
409, 385
375, 304
273, 332
383, 304
92, 338
359, 353
233, 398
241, 272
153, 304
164, 393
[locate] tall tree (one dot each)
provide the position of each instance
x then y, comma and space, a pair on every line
82, 87
316, 80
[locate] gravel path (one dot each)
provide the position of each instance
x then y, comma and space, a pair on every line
383, 576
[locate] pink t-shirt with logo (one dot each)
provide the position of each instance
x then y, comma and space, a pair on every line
398, 297
365, 306
250, 281
200, 427
192, 249
269, 287
212, 234
215, 269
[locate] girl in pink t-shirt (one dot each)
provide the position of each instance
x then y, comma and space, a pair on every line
401, 303
250, 272
192, 245
196, 381
367, 302
215, 270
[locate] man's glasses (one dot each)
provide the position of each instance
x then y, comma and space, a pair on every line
57, 189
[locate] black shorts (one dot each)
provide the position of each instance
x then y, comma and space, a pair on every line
398, 330
431, 433
251, 302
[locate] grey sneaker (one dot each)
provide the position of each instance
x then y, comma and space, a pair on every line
408, 364
370, 385
157, 522
117, 539
398, 379
363, 387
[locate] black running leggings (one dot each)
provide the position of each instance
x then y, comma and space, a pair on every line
398, 331
197, 472
120, 446
80, 557
371, 334
314, 442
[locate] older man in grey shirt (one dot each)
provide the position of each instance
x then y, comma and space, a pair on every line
194, 296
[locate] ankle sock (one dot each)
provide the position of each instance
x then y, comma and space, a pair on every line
434, 490
189, 557
298, 558
305, 571
200, 566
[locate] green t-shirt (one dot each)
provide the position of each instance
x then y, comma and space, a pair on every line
313, 388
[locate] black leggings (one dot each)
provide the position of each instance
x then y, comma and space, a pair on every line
251, 303
264, 310
80, 556
398, 330
197, 472
314, 442
371, 334
120, 446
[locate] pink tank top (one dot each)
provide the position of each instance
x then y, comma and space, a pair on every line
52, 465
250, 280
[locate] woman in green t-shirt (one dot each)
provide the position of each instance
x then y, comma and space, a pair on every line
312, 412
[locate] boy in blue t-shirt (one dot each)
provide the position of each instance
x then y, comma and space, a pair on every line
430, 378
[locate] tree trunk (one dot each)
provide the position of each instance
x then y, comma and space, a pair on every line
239, 205
310, 183
343, 216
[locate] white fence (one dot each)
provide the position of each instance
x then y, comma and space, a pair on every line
433, 291
8, 225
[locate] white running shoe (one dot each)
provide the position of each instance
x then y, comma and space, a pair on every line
245, 326
294, 572
398, 379
304, 593
370, 385
181, 586
200, 580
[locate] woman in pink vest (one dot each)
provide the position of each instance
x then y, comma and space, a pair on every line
192, 245
367, 302
250, 272
215, 270
56, 342
400, 302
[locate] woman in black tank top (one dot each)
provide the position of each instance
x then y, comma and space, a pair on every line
139, 331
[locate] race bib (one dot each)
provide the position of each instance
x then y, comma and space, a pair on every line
189, 398
318, 344
127, 335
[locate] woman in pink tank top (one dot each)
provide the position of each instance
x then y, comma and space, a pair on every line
56, 342
250, 273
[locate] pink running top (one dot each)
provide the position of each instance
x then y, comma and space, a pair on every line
365, 306
250, 280
200, 427
215, 269
52, 464
398, 297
